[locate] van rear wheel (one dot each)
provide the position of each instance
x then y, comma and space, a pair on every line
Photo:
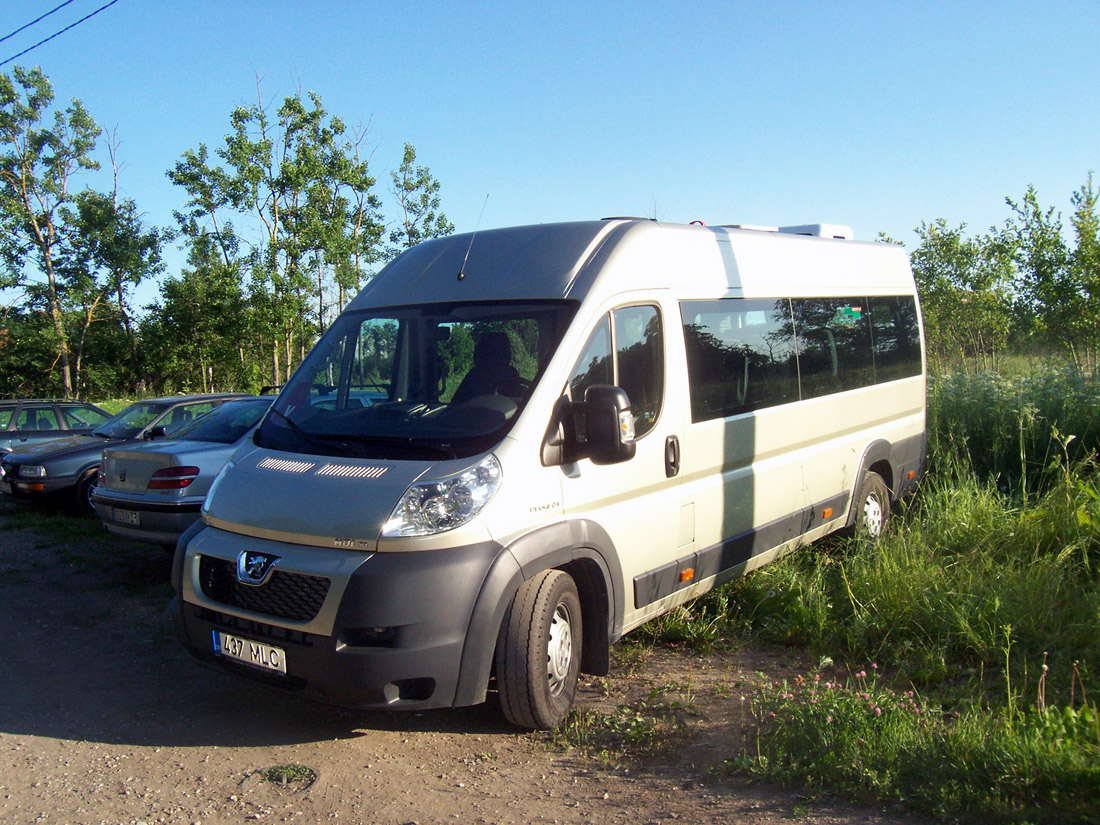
538, 653
872, 506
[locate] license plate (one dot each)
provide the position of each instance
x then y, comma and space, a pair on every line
127, 516
252, 653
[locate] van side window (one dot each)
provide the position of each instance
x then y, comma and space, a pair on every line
595, 366
896, 337
633, 359
740, 355
834, 345
640, 357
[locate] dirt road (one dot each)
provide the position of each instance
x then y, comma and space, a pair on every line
103, 719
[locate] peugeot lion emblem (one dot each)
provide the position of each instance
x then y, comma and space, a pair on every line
254, 568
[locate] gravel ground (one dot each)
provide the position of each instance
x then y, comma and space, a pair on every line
104, 719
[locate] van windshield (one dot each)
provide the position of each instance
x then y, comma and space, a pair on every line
426, 382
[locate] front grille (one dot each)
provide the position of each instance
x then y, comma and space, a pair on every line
292, 596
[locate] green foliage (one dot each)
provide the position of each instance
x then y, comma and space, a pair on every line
417, 194
872, 743
984, 597
964, 286
1024, 285
37, 162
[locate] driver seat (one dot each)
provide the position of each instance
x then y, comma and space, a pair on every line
492, 367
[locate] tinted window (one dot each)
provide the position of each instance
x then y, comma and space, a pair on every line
130, 421
740, 355
640, 362
81, 418
635, 362
227, 423
182, 416
896, 337
595, 366
834, 345
37, 418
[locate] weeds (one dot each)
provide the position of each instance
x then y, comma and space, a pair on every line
872, 743
631, 734
983, 600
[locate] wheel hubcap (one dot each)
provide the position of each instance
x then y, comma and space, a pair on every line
559, 650
872, 516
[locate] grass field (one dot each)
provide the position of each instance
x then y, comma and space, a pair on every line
961, 654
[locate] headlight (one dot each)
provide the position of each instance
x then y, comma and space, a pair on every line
32, 471
437, 506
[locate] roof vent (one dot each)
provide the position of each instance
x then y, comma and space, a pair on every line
821, 230
754, 227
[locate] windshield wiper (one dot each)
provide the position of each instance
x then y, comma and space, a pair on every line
312, 438
402, 442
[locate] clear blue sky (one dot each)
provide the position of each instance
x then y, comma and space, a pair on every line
877, 115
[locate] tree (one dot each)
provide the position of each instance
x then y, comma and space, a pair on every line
417, 194
966, 298
196, 332
108, 253
37, 163
307, 188
1085, 268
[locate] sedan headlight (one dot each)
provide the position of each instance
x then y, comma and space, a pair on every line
32, 471
431, 507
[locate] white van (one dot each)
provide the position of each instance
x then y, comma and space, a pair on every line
515, 446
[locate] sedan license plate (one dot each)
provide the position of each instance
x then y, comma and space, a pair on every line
257, 654
127, 516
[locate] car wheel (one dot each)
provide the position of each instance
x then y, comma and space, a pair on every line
872, 506
538, 653
82, 496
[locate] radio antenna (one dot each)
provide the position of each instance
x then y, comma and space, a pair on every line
462, 269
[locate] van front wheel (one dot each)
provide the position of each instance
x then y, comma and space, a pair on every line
872, 506
538, 653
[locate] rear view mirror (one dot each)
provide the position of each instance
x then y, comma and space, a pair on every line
600, 428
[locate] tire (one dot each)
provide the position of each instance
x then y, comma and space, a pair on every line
872, 506
538, 654
82, 495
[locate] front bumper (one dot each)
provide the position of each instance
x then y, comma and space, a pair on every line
34, 489
389, 631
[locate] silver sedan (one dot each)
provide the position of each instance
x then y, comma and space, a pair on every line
153, 492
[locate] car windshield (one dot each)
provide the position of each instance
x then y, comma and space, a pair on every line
227, 423
130, 421
435, 381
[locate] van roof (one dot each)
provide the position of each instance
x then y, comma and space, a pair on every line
563, 260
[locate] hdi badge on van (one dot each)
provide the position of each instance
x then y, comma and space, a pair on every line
515, 446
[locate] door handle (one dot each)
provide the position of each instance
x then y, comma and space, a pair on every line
672, 456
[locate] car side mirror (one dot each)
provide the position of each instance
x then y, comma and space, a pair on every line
156, 432
601, 427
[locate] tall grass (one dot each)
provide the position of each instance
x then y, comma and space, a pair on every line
984, 598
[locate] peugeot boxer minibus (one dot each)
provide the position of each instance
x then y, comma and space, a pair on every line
515, 446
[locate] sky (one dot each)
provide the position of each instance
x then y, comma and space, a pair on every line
877, 115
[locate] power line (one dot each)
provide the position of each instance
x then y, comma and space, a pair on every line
56, 34
37, 19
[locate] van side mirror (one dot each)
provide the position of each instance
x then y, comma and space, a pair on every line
600, 428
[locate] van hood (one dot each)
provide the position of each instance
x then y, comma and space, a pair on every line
322, 501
